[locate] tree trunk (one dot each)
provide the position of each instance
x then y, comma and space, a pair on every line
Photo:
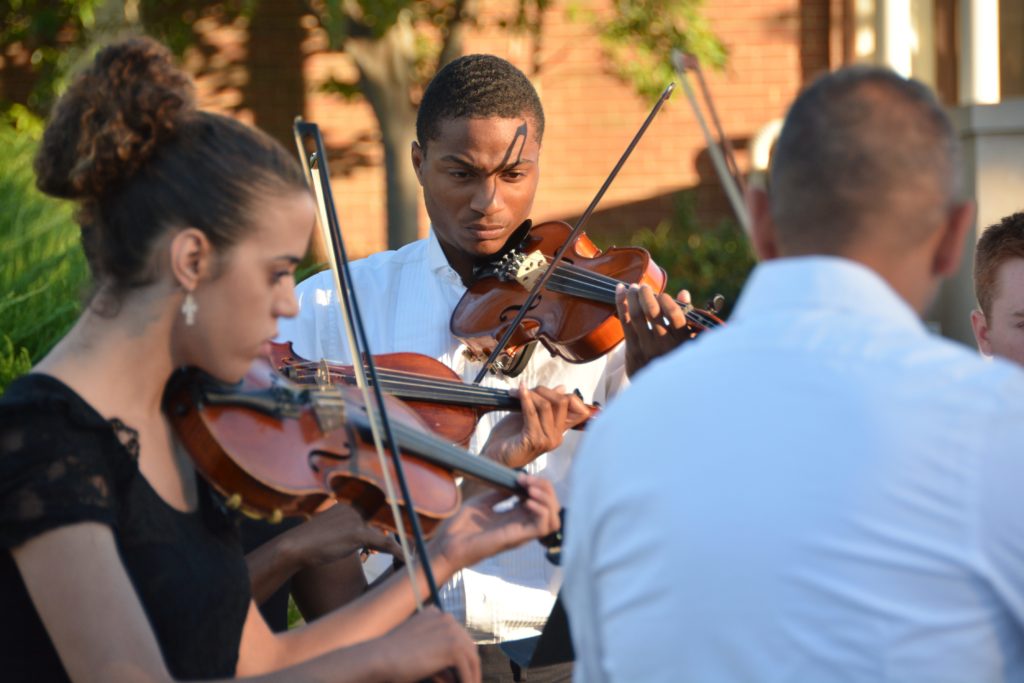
275, 91
386, 71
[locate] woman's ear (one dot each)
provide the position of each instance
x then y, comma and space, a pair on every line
191, 257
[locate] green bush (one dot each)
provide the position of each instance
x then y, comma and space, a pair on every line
44, 274
706, 261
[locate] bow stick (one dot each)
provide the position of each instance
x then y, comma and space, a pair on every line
576, 230
722, 157
315, 165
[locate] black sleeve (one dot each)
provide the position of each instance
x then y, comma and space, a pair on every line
55, 470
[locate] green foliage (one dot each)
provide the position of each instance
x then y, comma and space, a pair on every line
58, 35
46, 29
171, 21
44, 271
640, 36
294, 615
705, 261
14, 361
23, 120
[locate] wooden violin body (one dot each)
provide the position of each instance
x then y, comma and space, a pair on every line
443, 402
574, 317
275, 448
403, 376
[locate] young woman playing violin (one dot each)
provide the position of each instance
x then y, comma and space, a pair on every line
119, 564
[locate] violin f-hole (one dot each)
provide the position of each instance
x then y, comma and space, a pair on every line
511, 311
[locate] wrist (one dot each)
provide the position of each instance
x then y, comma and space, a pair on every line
290, 554
442, 564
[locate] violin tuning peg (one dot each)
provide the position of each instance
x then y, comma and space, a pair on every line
716, 303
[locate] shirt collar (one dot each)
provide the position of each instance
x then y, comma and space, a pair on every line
436, 260
823, 282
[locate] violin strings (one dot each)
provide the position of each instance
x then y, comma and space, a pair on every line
423, 390
587, 284
412, 385
433, 449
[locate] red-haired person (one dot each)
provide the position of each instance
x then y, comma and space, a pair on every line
998, 321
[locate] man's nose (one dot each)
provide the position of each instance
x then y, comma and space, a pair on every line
487, 197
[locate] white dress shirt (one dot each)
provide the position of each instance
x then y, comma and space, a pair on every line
821, 491
406, 298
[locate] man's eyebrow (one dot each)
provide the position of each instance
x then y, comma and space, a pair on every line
461, 162
293, 260
465, 164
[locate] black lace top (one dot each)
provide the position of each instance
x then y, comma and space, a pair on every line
62, 463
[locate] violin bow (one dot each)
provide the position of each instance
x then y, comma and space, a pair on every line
722, 157
315, 165
576, 230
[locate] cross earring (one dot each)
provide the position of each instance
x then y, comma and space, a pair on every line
189, 308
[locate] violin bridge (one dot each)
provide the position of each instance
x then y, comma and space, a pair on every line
322, 376
329, 408
530, 268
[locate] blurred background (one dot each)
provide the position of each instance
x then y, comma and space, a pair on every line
358, 68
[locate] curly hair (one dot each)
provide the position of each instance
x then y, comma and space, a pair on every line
477, 86
127, 143
998, 244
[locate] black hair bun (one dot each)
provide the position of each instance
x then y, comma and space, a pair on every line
112, 119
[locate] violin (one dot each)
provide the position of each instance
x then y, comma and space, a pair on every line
574, 316
447, 405
273, 448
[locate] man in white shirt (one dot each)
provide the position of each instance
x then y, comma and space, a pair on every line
828, 492
477, 156
998, 322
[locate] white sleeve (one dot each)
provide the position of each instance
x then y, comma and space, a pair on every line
578, 589
615, 380
999, 522
313, 332
619, 571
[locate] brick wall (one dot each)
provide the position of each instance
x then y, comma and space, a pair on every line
270, 68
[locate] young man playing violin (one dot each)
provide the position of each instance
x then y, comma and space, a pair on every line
477, 156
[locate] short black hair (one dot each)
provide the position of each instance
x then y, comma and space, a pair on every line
863, 149
477, 86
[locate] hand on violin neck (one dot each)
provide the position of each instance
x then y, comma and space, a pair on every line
329, 536
538, 428
477, 531
335, 533
654, 324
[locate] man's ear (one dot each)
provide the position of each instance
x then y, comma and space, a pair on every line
762, 227
950, 247
417, 153
980, 326
192, 257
